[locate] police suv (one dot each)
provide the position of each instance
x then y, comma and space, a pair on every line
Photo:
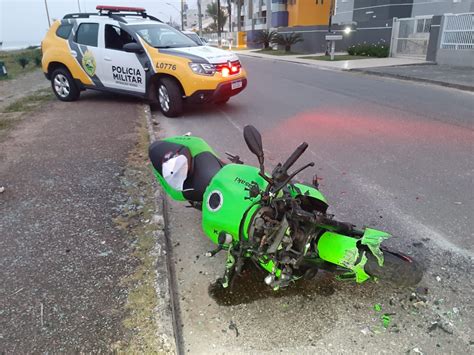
125, 50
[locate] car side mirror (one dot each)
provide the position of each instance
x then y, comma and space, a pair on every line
132, 47
254, 142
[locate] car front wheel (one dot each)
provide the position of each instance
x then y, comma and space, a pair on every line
170, 98
64, 86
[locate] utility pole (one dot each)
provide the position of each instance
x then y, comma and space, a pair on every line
182, 15
331, 13
47, 12
79, 5
199, 17
219, 38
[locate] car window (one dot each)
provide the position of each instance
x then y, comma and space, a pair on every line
163, 36
87, 34
64, 31
116, 37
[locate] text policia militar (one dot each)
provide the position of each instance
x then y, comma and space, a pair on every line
126, 75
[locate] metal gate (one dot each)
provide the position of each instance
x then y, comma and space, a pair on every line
410, 37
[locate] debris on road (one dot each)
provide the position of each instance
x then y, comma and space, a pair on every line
366, 331
2, 189
233, 326
386, 319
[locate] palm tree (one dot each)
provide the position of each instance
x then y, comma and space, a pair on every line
239, 4
265, 38
287, 41
211, 10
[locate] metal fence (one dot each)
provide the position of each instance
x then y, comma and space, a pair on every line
458, 32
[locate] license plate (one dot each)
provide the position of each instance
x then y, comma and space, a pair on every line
236, 85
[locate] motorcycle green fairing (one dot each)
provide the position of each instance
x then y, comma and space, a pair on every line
236, 210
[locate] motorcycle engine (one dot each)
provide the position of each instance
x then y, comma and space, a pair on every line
275, 239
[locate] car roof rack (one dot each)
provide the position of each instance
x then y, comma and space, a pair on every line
116, 12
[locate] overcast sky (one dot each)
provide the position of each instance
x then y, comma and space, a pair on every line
24, 22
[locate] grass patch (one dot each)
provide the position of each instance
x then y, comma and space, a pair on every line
135, 223
336, 57
278, 52
12, 62
30, 102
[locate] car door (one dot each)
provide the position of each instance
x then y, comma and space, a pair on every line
84, 47
120, 70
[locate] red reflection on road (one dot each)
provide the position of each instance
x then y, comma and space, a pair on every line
338, 124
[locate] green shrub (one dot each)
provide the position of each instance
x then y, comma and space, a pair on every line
23, 61
379, 50
37, 60
265, 38
288, 40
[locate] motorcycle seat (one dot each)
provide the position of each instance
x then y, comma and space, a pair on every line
201, 168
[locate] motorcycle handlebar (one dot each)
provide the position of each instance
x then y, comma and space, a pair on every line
294, 157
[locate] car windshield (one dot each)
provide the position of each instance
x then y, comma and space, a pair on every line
163, 36
195, 38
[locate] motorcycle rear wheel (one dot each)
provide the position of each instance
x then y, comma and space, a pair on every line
397, 269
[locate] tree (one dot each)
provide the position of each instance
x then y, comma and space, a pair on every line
265, 38
240, 4
211, 10
287, 41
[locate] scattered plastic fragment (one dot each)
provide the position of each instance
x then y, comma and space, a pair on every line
377, 307
417, 351
438, 278
455, 310
366, 331
2, 189
386, 319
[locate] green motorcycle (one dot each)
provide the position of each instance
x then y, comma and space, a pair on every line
279, 224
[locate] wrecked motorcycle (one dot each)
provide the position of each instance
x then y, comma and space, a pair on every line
280, 224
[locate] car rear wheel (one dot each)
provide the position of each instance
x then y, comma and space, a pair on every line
64, 86
170, 98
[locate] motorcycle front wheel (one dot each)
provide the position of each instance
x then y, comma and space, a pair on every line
397, 269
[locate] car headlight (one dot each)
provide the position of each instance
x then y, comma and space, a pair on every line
202, 68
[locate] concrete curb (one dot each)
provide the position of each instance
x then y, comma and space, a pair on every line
278, 59
410, 78
166, 284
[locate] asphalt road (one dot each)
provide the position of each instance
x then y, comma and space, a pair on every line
392, 155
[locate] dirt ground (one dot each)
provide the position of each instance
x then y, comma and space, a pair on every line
78, 231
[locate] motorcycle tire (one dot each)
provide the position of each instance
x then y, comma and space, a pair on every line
397, 269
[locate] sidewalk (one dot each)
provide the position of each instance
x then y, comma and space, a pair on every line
412, 69
336, 65
455, 77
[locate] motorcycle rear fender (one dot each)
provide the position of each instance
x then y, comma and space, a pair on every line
344, 251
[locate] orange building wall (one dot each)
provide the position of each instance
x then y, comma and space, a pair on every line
308, 12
